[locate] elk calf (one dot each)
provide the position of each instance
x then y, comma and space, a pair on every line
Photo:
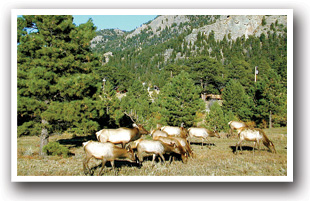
105, 152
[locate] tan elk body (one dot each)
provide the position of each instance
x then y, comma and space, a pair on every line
105, 152
121, 135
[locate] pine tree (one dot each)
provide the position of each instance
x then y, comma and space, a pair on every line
270, 97
215, 119
137, 102
179, 101
209, 72
56, 87
236, 101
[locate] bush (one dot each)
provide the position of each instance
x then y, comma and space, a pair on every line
56, 149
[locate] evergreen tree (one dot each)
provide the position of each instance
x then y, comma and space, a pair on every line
241, 71
137, 102
179, 101
56, 87
236, 101
208, 72
215, 119
270, 97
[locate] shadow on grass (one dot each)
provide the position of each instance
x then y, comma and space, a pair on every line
244, 148
108, 167
76, 141
202, 144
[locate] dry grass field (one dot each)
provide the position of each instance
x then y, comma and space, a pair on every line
215, 159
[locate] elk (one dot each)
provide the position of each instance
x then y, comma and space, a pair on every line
186, 146
175, 131
158, 133
256, 135
121, 135
106, 152
172, 140
155, 148
236, 125
183, 141
202, 133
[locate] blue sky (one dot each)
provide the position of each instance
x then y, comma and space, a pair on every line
123, 22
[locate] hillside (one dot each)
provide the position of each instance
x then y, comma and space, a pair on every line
213, 49
168, 39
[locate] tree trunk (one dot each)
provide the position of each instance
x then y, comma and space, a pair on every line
44, 138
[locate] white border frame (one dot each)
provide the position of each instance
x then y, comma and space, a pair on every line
288, 12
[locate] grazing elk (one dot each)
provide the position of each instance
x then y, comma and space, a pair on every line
202, 133
186, 146
236, 125
256, 135
172, 140
155, 147
175, 131
105, 152
121, 135
183, 141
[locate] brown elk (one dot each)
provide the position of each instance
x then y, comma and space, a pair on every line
158, 133
155, 148
105, 152
202, 133
186, 146
256, 135
175, 131
236, 125
172, 140
121, 135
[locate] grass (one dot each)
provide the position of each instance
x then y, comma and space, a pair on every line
215, 159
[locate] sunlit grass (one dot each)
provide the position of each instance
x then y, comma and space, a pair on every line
219, 160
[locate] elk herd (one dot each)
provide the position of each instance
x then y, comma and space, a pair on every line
129, 145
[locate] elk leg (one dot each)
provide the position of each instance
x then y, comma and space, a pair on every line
112, 164
162, 157
140, 157
238, 145
153, 161
254, 147
103, 164
85, 165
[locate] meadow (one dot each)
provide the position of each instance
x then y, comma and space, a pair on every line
217, 158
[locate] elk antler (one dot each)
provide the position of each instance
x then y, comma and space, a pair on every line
130, 117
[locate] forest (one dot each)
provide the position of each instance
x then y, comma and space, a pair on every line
66, 86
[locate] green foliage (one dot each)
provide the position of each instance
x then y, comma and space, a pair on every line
208, 72
215, 119
56, 149
55, 79
236, 100
270, 95
137, 102
179, 101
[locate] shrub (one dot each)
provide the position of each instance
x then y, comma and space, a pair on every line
54, 148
